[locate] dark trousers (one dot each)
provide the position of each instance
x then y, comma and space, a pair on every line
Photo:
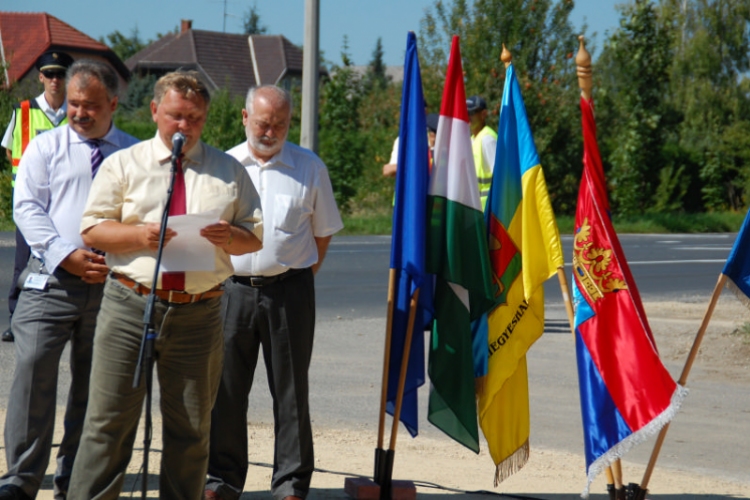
280, 318
23, 252
44, 323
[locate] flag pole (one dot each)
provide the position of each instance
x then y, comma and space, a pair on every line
380, 455
586, 83
566, 299
639, 491
387, 472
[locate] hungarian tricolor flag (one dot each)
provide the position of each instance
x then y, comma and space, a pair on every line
525, 250
626, 393
457, 255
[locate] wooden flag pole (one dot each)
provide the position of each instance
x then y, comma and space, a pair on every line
404, 367
386, 467
586, 84
566, 299
379, 452
683, 380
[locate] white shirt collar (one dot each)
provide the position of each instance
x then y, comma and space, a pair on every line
283, 157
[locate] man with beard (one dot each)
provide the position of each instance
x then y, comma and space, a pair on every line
270, 302
63, 288
31, 118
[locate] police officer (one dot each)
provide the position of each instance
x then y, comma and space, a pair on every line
483, 144
29, 119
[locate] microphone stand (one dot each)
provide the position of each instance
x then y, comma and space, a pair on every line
145, 363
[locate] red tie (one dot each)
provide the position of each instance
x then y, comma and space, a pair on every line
178, 206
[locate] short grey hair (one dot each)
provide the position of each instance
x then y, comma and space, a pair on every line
281, 93
89, 68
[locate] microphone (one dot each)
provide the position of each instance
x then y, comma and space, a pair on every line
178, 140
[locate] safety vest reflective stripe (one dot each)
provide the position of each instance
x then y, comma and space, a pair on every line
25, 124
30, 121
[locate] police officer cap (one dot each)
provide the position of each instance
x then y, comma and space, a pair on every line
475, 103
54, 59
432, 122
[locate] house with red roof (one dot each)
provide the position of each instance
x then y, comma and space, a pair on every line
19, 50
224, 60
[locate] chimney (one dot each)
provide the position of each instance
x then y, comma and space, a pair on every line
185, 25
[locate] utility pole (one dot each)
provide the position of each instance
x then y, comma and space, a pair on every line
310, 77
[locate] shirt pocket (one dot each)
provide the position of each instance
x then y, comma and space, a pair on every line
217, 196
289, 213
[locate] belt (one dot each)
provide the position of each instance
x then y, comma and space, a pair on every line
173, 296
260, 281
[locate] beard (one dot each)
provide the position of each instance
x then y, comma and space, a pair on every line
266, 145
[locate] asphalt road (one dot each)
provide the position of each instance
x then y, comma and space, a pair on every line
711, 434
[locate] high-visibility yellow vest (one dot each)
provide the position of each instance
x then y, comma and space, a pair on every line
484, 179
31, 121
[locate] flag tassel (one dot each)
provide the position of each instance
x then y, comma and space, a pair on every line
621, 448
380, 455
512, 464
722, 281
614, 478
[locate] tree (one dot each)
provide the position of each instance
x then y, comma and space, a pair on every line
636, 61
125, 47
376, 76
708, 75
251, 22
542, 42
342, 144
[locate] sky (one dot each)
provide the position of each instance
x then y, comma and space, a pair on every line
362, 21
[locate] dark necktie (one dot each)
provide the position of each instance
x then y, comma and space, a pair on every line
178, 206
96, 155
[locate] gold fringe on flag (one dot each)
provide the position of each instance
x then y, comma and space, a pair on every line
512, 464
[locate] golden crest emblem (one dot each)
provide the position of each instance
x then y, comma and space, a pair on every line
592, 265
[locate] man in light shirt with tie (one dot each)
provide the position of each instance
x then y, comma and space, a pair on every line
62, 285
122, 218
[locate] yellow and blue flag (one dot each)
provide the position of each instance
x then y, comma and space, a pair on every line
525, 250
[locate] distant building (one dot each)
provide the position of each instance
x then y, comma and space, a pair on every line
225, 60
395, 74
24, 36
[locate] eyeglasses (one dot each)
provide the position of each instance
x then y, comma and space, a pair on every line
51, 74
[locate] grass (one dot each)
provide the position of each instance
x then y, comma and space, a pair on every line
725, 222
743, 333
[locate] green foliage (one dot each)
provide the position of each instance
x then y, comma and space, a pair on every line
376, 79
124, 46
638, 55
540, 37
223, 127
251, 22
710, 88
7, 101
342, 144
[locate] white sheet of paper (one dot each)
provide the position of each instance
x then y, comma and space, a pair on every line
189, 251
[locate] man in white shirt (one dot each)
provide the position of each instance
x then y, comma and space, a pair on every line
62, 285
29, 119
270, 302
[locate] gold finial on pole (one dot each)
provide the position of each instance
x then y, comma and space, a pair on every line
505, 56
583, 68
